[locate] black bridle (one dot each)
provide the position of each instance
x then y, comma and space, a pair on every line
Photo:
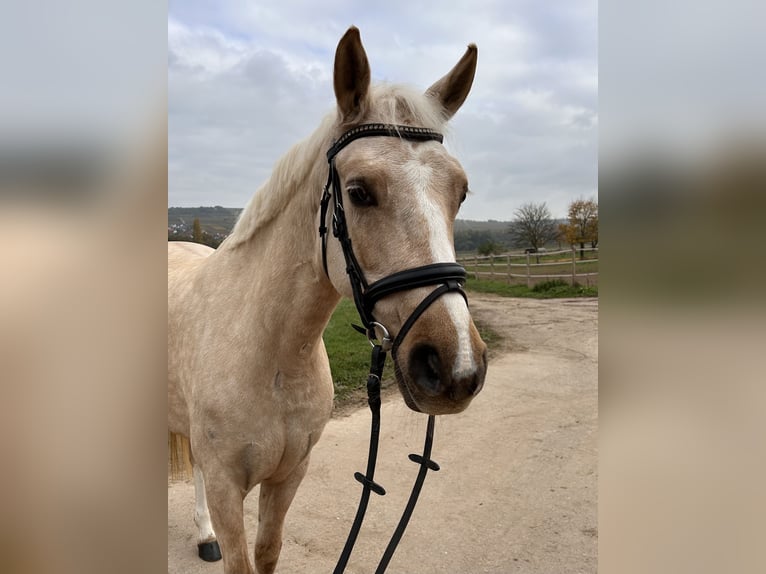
448, 277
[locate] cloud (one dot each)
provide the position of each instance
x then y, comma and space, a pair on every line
233, 110
247, 81
202, 50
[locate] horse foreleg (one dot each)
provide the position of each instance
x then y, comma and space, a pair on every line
275, 499
207, 546
226, 510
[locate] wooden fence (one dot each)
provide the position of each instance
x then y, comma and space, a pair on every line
575, 265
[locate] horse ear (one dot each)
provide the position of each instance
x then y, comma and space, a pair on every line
452, 90
352, 74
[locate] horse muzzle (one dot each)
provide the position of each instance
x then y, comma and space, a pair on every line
437, 379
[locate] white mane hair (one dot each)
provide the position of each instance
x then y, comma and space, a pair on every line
305, 166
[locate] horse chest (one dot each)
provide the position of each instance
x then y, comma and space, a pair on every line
282, 435
274, 455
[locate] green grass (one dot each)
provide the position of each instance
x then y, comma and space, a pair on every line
545, 290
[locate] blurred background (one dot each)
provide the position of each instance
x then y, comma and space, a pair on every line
83, 189
682, 376
83, 200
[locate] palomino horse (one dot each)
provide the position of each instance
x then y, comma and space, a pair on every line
249, 379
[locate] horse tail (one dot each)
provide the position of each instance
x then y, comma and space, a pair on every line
179, 457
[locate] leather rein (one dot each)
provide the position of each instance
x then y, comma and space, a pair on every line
448, 277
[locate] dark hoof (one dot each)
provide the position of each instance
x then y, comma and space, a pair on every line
209, 551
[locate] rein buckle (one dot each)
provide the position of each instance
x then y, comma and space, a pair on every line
386, 342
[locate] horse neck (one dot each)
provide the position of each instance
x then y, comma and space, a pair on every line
276, 274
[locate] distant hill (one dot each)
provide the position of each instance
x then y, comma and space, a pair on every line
212, 219
471, 225
218, 222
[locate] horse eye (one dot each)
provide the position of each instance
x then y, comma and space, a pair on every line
360, 196
465, 194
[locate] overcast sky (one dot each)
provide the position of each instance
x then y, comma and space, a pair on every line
246, 82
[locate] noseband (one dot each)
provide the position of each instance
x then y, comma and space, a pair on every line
447, 276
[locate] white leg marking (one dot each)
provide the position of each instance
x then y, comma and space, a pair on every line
201, 512
443, 252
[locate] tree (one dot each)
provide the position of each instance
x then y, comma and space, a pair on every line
582, 226
533, 226
489, 247
197, 231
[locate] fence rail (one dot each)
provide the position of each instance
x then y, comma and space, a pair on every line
575, 265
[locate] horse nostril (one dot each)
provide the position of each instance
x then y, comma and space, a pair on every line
426, 368
469, 386
475, 382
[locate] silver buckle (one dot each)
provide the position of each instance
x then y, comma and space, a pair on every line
386, 342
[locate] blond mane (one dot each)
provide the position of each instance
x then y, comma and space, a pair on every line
304, 165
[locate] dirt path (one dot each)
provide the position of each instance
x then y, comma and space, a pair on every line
518, 487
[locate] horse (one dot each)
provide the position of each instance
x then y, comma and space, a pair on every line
249, 381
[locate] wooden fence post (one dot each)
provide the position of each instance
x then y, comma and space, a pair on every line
508, 261
529, 280
476, 267
492, 266
574, 265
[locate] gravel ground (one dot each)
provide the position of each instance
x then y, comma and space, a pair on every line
517, 491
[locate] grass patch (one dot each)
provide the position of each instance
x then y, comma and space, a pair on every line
544, 290
547, 285
497, 288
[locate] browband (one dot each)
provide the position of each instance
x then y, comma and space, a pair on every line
392, 130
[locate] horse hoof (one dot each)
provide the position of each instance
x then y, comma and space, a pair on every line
209, 551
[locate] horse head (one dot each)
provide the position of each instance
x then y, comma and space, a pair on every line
400, 197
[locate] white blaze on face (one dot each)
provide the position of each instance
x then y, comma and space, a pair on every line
419, 175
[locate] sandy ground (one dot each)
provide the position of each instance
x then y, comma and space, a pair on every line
517, 489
